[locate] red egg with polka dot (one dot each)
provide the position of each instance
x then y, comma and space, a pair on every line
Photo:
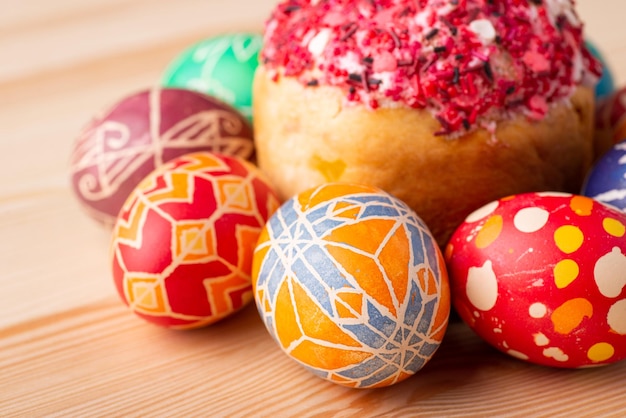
542, 277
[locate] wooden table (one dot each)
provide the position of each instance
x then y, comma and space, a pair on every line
69, 347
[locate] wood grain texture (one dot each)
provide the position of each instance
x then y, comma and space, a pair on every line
69, 348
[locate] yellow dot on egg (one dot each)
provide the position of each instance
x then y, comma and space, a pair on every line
565, 272
581, 205
614, 227
490, 232
601, 352
569, 238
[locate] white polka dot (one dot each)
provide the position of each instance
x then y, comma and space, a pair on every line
537, 310
556, 353
531, 219
483, 212
609, 273
541, 340
482, 287
518, 354
617, 317
497, 330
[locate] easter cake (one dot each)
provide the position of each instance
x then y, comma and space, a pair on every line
446, 104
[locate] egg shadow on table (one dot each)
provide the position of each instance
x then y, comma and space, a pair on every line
466, 364
462, 360
221, 341
241, 322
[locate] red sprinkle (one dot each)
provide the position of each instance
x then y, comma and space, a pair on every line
424, 54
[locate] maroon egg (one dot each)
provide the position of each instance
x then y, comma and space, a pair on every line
126, 142
610, 121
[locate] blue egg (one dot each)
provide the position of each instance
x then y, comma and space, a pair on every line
606, 182
606, 85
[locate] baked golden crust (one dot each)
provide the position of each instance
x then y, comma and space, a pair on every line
306, 136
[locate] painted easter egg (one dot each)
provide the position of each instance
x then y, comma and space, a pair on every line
610, 121
352, 285
542, 277
183, 244
222, 66
606, 181
120, 146
606, 84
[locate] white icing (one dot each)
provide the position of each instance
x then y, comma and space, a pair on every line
386, 79
446, 9
421, 18
318, 43
426, 20
484, 29
578, 67
557, 8
351, 64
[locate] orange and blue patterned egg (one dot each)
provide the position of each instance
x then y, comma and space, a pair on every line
184, 240
542, 277
352, 285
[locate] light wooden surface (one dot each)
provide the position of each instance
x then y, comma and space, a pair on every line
68, 347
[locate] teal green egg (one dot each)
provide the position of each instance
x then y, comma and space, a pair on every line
221, 66
606, 84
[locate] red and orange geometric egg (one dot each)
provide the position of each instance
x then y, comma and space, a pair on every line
184, 240
352, 285
542, 277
